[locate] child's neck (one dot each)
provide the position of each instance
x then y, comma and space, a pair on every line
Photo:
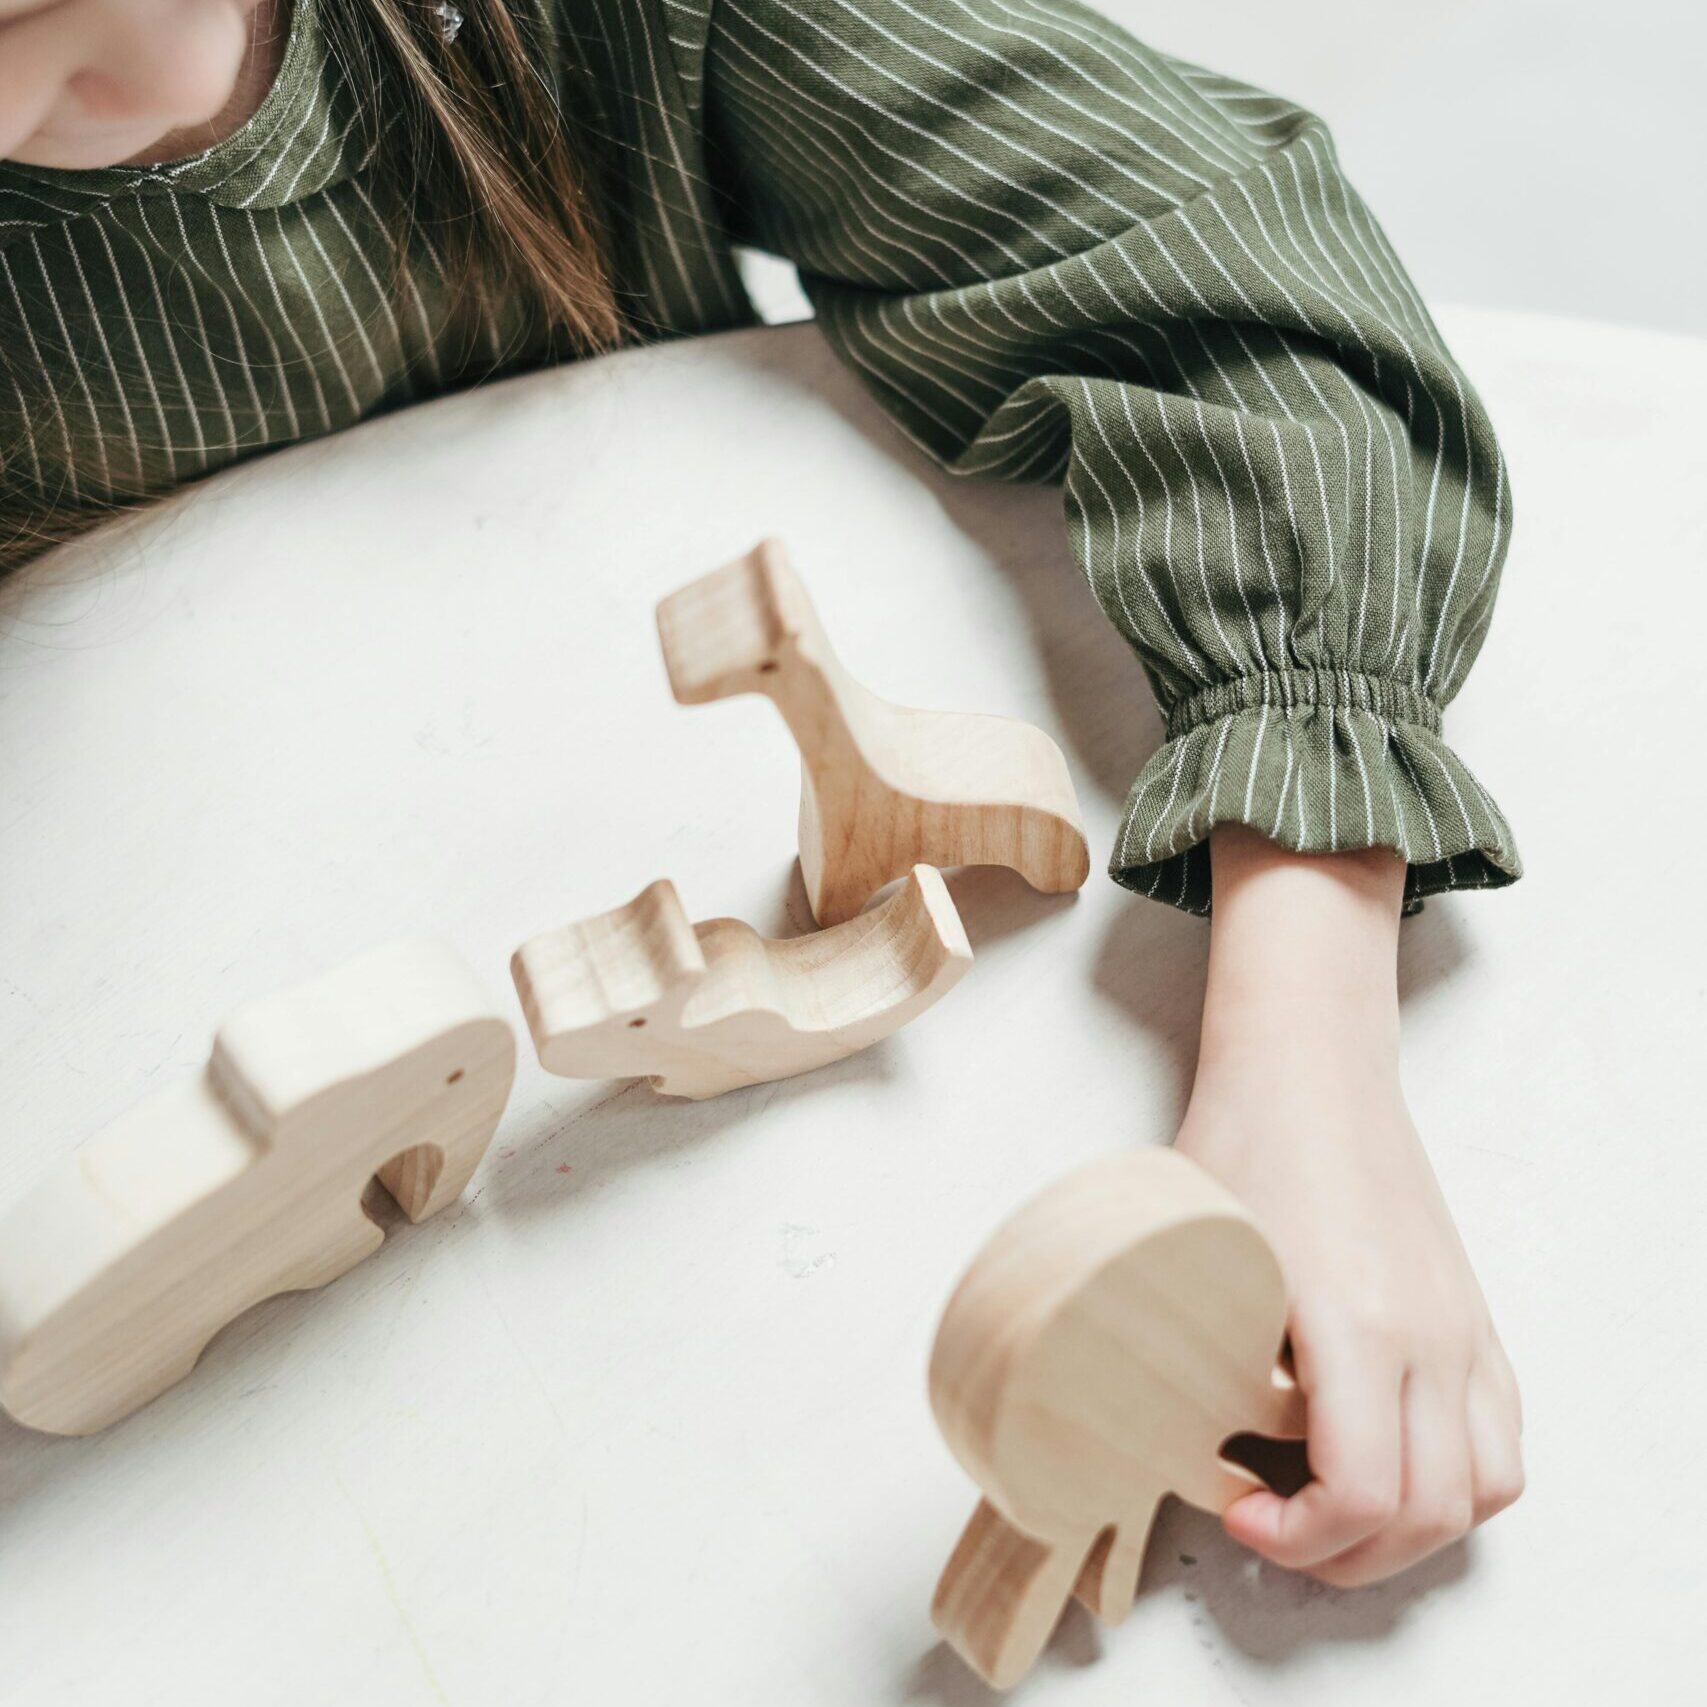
269, 31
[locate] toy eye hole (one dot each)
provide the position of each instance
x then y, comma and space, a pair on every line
768, 667
454, 1077
635, 1024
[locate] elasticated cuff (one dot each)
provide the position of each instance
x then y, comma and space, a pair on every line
1321, 762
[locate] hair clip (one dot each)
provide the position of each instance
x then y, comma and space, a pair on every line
450, 21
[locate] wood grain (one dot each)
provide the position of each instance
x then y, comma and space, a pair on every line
703, 1009
209, 1196
883, 787
1100, 1349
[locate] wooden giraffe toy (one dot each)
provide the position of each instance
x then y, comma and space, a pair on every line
703, 1009
122, 1263
1099, 1351
883, 787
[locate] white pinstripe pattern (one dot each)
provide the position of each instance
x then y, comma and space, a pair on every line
1050, 252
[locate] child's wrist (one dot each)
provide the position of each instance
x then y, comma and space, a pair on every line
1303, 950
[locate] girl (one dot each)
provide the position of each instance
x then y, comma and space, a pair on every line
1051, 253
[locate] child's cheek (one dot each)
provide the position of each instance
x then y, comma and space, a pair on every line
102, 98
130, 72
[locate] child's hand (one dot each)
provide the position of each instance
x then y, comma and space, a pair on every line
87, 83
1414, 1418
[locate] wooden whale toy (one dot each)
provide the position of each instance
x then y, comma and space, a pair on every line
703, 1009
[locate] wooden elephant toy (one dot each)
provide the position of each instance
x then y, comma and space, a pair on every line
123, 1262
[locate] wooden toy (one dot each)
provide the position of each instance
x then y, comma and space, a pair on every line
702, 1009
119, 1266
1100, 1350
883, 787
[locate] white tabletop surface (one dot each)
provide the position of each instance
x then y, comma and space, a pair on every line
643, 1420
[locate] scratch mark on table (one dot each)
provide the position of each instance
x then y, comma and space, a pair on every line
391, 1594
522, 1356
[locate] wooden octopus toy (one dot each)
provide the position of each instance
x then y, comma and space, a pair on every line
1098, 1353
703, 1009
122, 1263
883, 788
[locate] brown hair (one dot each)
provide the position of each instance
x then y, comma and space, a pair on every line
483, 156
473, 150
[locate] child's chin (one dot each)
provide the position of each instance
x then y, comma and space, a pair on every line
85, 150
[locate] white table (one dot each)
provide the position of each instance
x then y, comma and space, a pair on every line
643, 1420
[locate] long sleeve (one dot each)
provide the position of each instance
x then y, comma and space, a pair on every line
1054, 254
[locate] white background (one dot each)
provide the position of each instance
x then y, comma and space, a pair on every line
1541, 154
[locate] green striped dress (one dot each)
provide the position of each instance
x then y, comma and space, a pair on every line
1051, 253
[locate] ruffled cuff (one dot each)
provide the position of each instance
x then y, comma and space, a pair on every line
1320, 761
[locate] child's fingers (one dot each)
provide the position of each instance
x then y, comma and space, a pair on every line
1437, 1504
1496, 1449
1354, 1452
1495, 1367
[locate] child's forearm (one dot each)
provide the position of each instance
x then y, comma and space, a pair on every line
1413, 1411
